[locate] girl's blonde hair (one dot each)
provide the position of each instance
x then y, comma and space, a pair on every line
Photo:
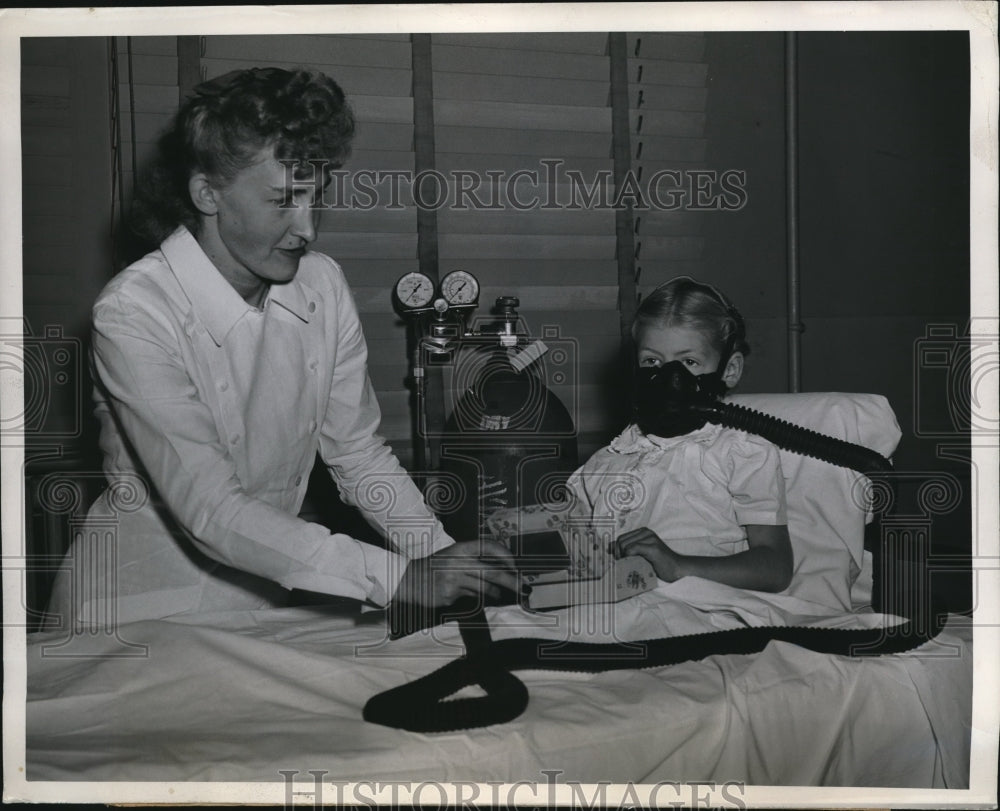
685, 302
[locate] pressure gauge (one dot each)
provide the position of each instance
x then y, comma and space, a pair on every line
414, 290
460, 287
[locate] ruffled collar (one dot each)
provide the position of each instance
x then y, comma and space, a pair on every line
632, 440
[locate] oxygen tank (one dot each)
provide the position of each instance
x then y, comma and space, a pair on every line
510, 440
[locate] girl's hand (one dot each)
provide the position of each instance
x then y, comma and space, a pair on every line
767, 565
645, 543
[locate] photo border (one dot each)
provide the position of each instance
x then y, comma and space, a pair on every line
980, 19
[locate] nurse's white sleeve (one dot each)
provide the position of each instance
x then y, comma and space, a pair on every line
367, 472
174, 436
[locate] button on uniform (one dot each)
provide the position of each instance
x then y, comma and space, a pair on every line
298, 480
313, 425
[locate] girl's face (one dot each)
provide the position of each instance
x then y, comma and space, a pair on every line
658, 344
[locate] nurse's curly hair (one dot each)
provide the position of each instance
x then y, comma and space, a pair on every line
222, 127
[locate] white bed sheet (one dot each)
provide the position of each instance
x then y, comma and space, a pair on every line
241, 696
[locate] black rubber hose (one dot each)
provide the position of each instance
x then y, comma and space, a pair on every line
423, 705
795, 438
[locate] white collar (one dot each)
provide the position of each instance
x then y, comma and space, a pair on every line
632, 440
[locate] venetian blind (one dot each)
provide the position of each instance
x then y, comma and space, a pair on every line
147, 98
66, 211
517, 117
667, 76
47, 161
523, 147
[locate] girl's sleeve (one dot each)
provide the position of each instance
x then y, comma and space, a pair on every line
756, 482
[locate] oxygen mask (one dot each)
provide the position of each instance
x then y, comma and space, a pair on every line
669, 400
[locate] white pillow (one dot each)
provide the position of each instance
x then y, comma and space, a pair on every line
826, 522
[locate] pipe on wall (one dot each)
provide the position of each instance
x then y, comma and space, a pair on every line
795, 326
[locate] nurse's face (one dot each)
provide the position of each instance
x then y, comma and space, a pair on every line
258, 225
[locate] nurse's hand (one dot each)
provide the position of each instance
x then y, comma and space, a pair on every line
466, 569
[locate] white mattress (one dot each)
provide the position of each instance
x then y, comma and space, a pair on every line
242, 696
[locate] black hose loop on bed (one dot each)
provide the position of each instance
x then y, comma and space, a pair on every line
423, 705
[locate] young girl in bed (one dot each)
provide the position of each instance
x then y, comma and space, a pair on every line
709, 502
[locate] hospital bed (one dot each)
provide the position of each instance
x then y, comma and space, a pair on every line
250, 696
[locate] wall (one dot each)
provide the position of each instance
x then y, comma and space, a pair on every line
746, 253
884, 187
885, 235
